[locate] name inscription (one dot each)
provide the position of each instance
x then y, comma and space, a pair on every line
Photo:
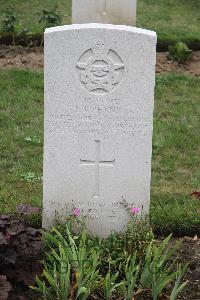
102, 116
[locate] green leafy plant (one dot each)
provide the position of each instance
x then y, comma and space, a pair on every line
87, 275
180, 52
132, 270
138, 234
110, 284
9, 23
31, 177
25, 35
156, 274
80, 266
178, 287
50, 18
34, 140
119, 246
57, 277
83, 261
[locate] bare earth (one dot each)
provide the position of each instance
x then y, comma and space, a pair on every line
22, 58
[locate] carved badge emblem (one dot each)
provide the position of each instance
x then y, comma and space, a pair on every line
100, 69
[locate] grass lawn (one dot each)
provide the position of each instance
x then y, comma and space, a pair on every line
172, 19
176, 147
21, 116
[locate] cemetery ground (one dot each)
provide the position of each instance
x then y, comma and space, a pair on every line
175, 195
175, 172
171, 19
32, 58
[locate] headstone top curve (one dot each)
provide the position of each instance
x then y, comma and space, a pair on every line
101, 26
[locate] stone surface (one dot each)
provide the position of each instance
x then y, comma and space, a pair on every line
104, 11
99, 97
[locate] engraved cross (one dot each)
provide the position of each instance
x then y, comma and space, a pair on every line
97, 163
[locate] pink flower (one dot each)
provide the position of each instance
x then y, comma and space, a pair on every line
76, 212
135, 210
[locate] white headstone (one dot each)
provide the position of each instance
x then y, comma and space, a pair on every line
104, 11
99, 98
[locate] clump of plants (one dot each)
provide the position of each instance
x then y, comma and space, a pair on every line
31, 177
122, 266
180, 52
9, 23
50, 18
25, 36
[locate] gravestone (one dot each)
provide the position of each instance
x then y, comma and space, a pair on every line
104, 11
99, 97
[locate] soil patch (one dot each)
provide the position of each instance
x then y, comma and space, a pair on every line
164, 64
189, 252
32, 58
21, 58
